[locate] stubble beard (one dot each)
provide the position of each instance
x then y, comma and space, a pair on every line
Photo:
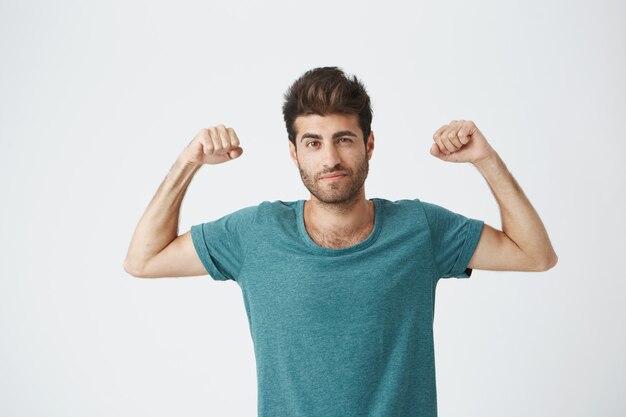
342, 192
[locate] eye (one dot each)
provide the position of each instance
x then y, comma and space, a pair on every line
340, 139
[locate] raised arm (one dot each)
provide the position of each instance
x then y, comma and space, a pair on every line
155, 249
523, 243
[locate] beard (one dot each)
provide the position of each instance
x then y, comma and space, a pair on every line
343, 191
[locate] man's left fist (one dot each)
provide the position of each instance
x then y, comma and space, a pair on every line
460, 141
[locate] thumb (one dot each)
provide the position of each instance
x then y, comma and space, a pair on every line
235, 153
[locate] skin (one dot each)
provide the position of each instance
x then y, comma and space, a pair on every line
338, 214
337, 210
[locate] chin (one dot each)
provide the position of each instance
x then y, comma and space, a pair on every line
333, 198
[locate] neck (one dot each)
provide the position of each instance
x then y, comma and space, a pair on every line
344, 219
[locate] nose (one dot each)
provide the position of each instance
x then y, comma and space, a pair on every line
330, 156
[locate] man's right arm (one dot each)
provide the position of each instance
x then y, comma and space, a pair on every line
149, 249
155, 249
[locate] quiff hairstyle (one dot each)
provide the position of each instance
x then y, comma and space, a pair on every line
327, 90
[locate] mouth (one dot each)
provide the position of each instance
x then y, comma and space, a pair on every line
333, 177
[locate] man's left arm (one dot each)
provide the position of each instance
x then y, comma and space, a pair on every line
523, 243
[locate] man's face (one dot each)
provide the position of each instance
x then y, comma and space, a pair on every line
331, 144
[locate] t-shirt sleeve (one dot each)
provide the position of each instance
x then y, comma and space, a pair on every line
454, 238
222, 244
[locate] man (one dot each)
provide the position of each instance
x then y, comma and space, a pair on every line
339, 290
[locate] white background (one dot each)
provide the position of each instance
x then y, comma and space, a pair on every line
98, 99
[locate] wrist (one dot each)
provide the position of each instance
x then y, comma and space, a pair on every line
181, 173
186, 164
493, 161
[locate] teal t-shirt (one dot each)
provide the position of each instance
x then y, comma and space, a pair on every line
341, 332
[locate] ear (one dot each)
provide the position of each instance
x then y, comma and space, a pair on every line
292, 153
370, 145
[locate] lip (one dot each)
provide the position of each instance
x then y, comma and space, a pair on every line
334, 177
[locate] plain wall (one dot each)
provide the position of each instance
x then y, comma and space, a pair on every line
98, 99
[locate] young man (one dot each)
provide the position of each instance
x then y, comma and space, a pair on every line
339, 290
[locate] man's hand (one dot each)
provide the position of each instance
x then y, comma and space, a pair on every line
213, 145
461, 141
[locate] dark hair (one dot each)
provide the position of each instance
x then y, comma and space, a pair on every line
323, 91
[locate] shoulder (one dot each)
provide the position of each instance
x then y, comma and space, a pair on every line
277, 207
407, 206
277, 211
418, 211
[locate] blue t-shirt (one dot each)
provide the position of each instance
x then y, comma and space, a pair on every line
341, 332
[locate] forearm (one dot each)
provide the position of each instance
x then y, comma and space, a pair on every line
158, 226
520, 221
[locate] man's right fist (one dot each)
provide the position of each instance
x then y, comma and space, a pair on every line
213, 145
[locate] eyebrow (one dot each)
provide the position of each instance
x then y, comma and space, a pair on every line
335, 135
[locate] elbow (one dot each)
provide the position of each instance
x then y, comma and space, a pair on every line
132, 270
549, 263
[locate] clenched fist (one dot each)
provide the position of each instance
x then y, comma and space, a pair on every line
461, 141
213, 145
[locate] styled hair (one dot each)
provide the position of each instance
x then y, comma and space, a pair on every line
327, 90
